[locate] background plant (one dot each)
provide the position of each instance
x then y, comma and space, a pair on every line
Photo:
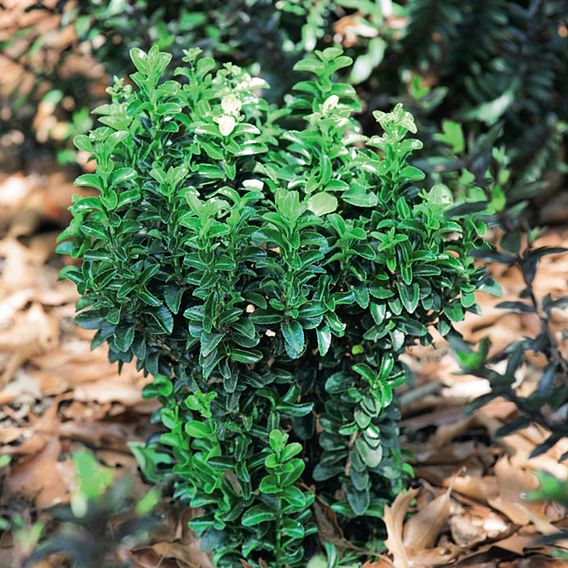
547, 404
267, 266
424, 53
103, 517
556, 490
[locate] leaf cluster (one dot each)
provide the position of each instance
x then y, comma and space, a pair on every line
546, 405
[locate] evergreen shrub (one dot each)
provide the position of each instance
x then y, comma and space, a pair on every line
267, 266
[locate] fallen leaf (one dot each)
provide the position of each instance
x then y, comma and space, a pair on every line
513, 483
189, 553
439, 556
394, 520
519, 447
327, 523
40, 477
519, 543
479, 488
422, 530
448, 432
33, 332
104, 391
476, 524
535, 562
17, 271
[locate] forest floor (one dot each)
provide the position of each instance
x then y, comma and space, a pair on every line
57, 396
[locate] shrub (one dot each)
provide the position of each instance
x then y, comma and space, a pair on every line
547, 404
267, 266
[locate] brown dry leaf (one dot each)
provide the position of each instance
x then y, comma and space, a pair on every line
519, 446
148, 558
452, 454
9, 434
394, 521
30, 445
87, 412
424, 559
104, 391
41, 477
40, 247
329, 529
475, 524
439, 475
111, 436
422, 530
479, 488
535, 562
439, 556
63, 292
12, 303
13, 191
117, 459
23, 389
72, 365
382, 563
75, 366
447, 432
36, 434
498, 408
519, 542
34, 332
513, 483
17, 272
174, 542
188, 553
440, 416
100, 434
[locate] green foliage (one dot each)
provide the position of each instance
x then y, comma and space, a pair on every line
268, 266
266, 35
102, 517
333, 559
429, 54
92, 481
511, 73
552, 489
546, 405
